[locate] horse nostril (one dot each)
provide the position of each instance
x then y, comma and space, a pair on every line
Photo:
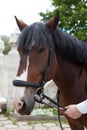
20, 104
22, 107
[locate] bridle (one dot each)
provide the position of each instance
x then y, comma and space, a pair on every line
39, 95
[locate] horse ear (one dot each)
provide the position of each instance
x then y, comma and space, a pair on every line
20, 23
53, 23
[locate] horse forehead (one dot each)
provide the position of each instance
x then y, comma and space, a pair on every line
32, 44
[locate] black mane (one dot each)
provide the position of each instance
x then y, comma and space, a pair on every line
35, 34
70, 47
67, 46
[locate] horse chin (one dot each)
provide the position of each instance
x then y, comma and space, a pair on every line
28, 106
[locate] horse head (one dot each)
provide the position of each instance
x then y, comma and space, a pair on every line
37, 61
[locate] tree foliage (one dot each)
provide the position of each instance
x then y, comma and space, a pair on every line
7, 45
73, 16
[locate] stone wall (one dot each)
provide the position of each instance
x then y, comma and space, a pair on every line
8, 69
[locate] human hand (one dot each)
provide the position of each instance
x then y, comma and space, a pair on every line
72, 112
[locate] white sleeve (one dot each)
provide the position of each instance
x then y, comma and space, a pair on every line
82, 107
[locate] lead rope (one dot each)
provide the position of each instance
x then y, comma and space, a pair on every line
39, 98
59, 111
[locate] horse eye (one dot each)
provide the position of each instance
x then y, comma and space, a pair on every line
42, 50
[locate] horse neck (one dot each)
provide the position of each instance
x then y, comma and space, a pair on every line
68, 76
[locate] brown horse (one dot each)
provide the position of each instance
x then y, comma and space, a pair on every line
48, 53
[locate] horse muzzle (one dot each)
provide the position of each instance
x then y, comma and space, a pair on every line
28, 105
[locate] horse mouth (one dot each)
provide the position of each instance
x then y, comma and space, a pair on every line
24, 112
27, 107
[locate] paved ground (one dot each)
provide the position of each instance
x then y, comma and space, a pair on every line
12, 124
